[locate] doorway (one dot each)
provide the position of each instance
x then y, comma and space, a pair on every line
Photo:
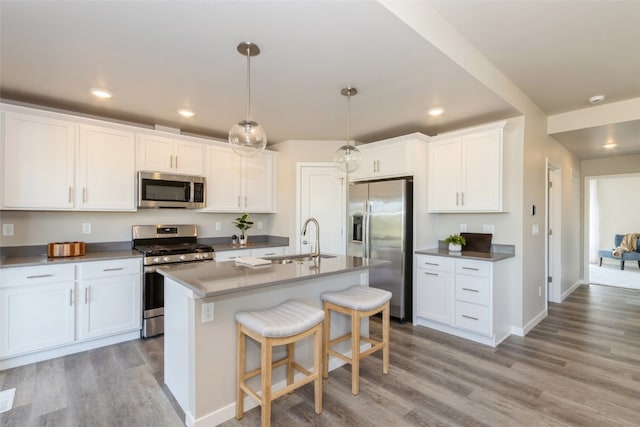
321, 194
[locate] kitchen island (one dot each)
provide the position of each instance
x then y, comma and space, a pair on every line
201, 300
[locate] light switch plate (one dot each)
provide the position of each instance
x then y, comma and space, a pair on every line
463, 228
207, 312
489, 228
7, 229
218, 226
86, 228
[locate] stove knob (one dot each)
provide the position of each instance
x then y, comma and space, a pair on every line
156, 260
205, 255
182, 257
198, 256
165, 259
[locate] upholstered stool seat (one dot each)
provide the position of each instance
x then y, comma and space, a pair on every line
284, 324
358, 302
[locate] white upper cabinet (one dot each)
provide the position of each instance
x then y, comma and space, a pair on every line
51, 163
465, 170
239, 184
106, 170
38, 162
388, 158
158, 153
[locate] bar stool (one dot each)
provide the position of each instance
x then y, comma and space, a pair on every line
284, 324
358, 302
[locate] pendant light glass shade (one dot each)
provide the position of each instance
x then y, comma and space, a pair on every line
347, 158
247, 137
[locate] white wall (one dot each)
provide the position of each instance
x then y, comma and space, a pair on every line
39, 228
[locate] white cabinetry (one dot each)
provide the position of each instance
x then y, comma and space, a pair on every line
38, 310
51, 163
239, 184
158, 153
464, 297
388, 158
109, 297
434, 288
465, 170
53, 310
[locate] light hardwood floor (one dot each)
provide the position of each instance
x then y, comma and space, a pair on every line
578, 367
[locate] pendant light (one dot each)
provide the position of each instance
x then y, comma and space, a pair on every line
247, 137
347, 157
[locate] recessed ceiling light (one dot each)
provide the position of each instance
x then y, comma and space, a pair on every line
596, 99
436, 111
609, 145
100, 93
186, 113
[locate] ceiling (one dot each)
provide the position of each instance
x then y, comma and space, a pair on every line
156, 57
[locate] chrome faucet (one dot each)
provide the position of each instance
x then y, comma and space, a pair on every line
316, 251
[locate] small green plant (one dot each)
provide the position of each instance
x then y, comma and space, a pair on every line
242, 223
456, 239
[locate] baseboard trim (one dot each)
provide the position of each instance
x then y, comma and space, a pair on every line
569, 291
530, 325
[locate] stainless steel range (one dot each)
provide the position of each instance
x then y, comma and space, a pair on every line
161, 245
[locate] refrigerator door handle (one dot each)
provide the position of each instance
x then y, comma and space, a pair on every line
366, 235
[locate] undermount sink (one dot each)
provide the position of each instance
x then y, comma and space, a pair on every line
288, 259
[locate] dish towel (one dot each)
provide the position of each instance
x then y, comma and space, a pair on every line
252, 261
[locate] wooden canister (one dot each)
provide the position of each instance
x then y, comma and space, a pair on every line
65, 249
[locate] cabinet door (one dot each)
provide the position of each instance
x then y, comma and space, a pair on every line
188, 157
481, 172
434, 289
106, 169
109, 305
223, 176
444, 175
391, 160
259, 184
155, 153
368, 164
36, 317
38, 162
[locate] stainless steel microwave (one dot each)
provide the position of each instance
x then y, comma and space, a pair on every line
162, 190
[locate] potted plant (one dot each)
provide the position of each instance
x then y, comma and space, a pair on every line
242, 223
456, 242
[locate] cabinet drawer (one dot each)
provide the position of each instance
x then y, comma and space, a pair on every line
438, 263
476, 290
472, 317
101, 269
36, 275
271, 251
473, 268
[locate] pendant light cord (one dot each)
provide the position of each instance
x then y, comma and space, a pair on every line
349, 118
248, 83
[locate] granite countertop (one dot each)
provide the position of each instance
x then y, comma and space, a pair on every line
480, 256
42, 260
229, 247
213, 278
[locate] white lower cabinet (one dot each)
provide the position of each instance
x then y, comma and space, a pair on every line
38, 309
109, 298
49, 311
248, 252
463, 297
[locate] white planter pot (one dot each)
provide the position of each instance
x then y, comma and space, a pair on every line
455, 248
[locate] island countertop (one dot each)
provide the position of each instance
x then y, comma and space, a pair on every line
212, 278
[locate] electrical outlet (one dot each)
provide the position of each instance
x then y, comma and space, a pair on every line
218, 226
7, 229
488, 228
364, 279
535, 229
260, 225
463, 228
207, 312
86, 228
539, 291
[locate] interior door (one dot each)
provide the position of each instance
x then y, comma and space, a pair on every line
321, 196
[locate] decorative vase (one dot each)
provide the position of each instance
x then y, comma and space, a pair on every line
455, 248
243, 240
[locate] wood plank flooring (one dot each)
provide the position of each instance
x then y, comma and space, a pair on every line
579, 367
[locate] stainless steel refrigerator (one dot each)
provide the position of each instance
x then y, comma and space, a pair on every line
380, 218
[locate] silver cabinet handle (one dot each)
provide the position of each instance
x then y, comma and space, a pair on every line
471, 268
113, 269
171, 161
470, 290
70, 297
176, 161
431, 263
431, 274
86, 295
40, 276
457, 199
270, 253
470, 317
462, 198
